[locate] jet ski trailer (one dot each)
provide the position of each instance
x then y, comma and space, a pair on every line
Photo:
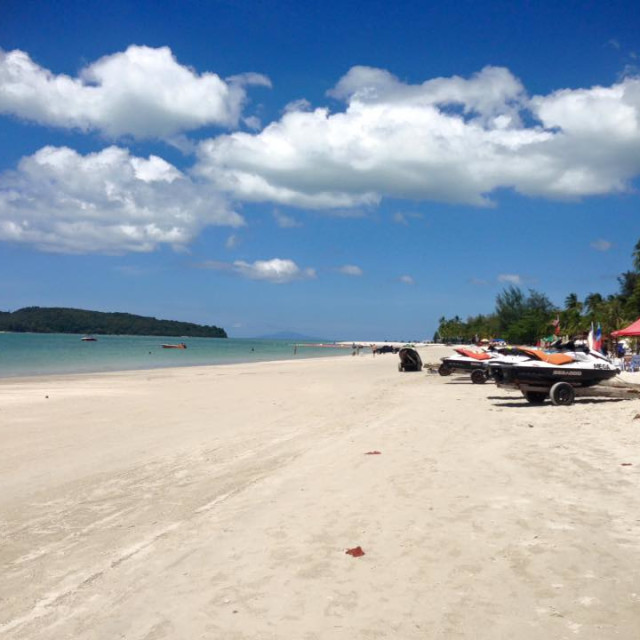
467, 361
558, 376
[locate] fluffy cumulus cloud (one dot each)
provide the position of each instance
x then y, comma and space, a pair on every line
448, 139
105, 202
142, 92
276, 271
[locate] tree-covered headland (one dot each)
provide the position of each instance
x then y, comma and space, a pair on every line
525, 318
63, 320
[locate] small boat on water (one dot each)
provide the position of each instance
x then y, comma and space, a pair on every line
89, 339
181, 345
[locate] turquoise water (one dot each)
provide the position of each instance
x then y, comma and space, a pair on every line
33, 354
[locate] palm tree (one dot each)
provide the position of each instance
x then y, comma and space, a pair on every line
572, 302
571, 319
592, 304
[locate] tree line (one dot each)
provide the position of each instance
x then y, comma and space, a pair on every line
63, 320
524, 318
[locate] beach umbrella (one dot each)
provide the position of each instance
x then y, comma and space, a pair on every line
632, 330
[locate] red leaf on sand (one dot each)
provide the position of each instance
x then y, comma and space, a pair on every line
356, 552
373, 453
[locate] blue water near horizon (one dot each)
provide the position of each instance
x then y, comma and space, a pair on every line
38, 354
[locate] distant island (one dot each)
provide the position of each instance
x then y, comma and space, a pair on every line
63, 320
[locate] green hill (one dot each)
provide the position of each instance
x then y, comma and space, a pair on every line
62, 320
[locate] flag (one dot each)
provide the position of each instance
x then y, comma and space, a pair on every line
597, 339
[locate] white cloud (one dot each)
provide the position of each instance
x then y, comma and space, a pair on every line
403, 218
511, 278
406, 280
105, 202
601, 245
478, 282
298, 105
142, 92
350, 270
447, 139
284, 221
232, 241
252, 122
276, 271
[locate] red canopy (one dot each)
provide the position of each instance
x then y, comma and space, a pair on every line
631, 330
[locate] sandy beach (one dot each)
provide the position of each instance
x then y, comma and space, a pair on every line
218, 502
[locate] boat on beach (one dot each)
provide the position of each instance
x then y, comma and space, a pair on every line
477, 362
554, 375
466, 361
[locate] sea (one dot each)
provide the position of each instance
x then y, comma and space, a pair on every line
40, 354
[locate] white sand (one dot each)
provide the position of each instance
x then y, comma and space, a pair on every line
219, 502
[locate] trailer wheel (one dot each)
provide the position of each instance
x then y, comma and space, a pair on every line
535, 397
478, 376
562, 393
444, 370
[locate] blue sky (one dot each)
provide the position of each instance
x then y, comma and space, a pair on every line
345, 170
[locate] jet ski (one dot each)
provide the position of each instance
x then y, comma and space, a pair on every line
466, 361
541, 374
477, 362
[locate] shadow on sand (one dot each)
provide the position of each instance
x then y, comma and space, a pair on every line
523, 404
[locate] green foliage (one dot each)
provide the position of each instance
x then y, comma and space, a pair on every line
636, 256
62, 320
510, 305
627, 282
522, 319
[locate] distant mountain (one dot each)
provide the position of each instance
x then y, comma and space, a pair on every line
63, 320
291, 335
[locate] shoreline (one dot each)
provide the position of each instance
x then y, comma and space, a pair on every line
36, 355
81, 375
297, 352
219, 501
